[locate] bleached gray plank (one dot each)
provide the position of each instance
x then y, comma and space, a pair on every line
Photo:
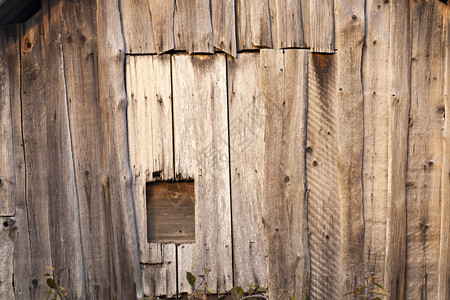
7, 228
137, 26
7, 169
247, 126
193, 26
253, 22
425, 151
284, 86
163, 24
322, 26
151, 152
224, 26
201, 153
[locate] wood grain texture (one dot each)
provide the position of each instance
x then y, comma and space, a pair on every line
151, 150
306, 22
424, 173
323, 200
22, 264
193, 26
79, 42
137, 26
287, 26
399, 99
444, 253
34, 116
284, 83
7, 228
350, 27
253, 21
247, 126
65, 231
7, 168
375, 87
163, 24
117, 177
224, 25
322, 27
201, 153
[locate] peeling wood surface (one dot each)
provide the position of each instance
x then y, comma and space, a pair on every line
7, 168
253, 24
224, 25
151, 153
201, 153
163, 24
284, 86
247, 126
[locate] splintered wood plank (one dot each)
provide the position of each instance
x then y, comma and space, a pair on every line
424, 173
350, 24
376, 123
7, 228
151, 157
253, 24
7, 168
444, 254
137, 26
323, 198
224, 26
322, 26
60, 176
163, 24
34, 112
287, 27
22, 254
117, 177
80, 68
284, 86
193, 28
201, 153
247, 117
399, 100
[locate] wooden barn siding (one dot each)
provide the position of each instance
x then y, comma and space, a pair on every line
370, 179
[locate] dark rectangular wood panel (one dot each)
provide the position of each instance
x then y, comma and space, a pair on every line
171, 212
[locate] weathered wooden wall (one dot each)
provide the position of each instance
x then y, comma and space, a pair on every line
316, 133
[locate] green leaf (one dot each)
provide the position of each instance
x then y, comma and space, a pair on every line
207, 288
61, 270
190, 278
377, 298
291, 298
261, 289
378, 285
379, 292
206, 270
51, 283
235, 295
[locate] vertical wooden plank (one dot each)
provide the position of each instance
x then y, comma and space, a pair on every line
246, 119
201, 153
253, 21
137, 26
163, 24
306, 22
399, 99
22, 254
62, 196
7, 169
323, 198
116, 180
193, 26
287, 26
375, 86
350, 26
444, 253
424, 171
284, 79
151, 156
79, 41
34, 112
322, 26
224, 26
7, 227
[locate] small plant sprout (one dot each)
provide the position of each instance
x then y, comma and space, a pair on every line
56, 291
198, 293
370, 291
